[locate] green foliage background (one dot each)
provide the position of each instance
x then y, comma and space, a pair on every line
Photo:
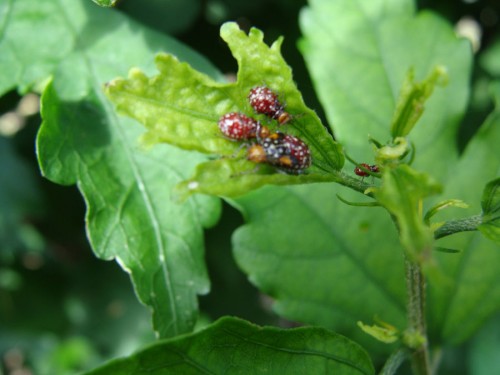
61, 310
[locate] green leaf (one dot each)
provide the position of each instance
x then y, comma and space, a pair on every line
224, 177
401, 193
172, 16
383, 333
359, 54
321, 261
106, 3
490, 204
181, 106
412, 98
41, 39
393, 152
441, 206
457, 310
237, 347
130, 215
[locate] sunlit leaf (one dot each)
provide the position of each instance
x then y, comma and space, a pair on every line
181, 106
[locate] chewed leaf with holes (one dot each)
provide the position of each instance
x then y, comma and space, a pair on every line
182, 106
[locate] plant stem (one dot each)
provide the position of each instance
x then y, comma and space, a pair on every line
394, 361
461, 225
415, 283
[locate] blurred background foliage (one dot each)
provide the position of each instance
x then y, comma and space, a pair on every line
61, 309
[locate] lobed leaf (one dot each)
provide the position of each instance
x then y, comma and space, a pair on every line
181, 106
130, 216
234, 346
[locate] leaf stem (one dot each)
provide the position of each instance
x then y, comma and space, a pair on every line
354, 183
460, 225
394, 361
415, 283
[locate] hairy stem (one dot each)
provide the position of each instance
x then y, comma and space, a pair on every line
395, 360
415, 283
461, 225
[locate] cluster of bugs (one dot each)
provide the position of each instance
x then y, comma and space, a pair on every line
285, 152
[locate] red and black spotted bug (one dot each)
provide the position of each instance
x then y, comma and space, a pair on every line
238, 126
265, 101
283, 151
362, 173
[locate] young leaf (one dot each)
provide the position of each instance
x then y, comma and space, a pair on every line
359, 53
181, 106
441, 206
130, 215
412, 98
401, 194
490, 204
235, 346
383, 333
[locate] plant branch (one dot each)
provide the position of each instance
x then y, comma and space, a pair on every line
356, 184
460, 225
417, 333
394, 361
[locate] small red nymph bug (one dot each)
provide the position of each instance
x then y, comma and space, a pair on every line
362, 173
265, 101
238, 126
